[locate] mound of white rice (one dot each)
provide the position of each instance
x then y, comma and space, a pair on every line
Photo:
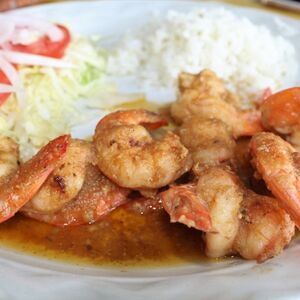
247, 56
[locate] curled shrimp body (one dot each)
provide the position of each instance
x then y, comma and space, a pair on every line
66, 180
130, 157
265, 228
220, 189
198, 97
277, 162
97, 198
201, 85
209, 141
25, 182
280, 113
212, 205
242, 222
9, 156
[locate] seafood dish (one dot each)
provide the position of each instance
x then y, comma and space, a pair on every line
211, 174
244, 204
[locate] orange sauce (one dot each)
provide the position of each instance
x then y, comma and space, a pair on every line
124, 238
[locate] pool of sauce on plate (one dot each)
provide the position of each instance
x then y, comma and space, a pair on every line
122, 239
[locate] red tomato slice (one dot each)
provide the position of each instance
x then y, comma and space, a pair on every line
4, 79
44, 46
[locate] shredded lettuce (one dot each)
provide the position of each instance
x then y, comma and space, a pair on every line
52, 97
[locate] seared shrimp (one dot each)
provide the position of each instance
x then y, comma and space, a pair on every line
281, 113
198, 97
9, 156
22, 185
265, 228
277, 162
208, 140
221, 190
204, 84
241, 221
211, 206
98, 197
130, 157
65, 181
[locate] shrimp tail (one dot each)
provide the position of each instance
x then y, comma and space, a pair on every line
22, 185
183, 206
278, 164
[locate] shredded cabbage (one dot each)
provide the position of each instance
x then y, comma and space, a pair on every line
52, 97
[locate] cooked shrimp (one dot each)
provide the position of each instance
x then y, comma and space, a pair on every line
265, 228
277, 162
9, 156
130, 157
204, 84
98, 197
281, 113
22, 185
241, 123
185, 206
221, 190
241, 221
198, 97
212, 206
65, 181
208, 140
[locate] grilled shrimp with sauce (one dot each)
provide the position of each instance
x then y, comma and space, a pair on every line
219, 193
242, 222
221, 190
23, 183
209, 141
204, 95
66, 180
97, 198
265, 228
76, 192
278, 163
130, 157
280, 113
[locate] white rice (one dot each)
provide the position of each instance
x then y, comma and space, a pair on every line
247, 56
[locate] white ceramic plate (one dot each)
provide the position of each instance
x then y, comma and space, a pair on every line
25, 277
